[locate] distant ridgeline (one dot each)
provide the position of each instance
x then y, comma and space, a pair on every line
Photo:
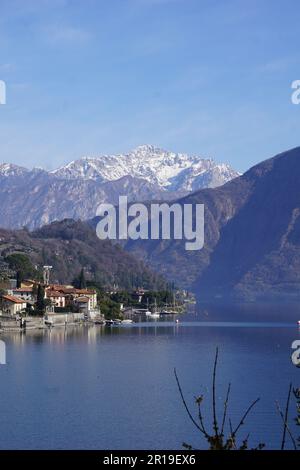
69, 246
76, 189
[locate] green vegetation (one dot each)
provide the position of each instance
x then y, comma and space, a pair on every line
80, 282
22, 265
160, 297
110, 303
19, 278
109, 308
40, 301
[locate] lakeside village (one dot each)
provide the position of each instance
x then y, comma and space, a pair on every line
31, 304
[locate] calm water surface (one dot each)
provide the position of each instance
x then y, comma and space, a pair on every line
114, 388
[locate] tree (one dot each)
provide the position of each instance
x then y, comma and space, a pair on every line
19, 277
40, 300
109, 308
81, 283
22, 265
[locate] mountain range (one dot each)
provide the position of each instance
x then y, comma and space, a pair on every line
167, 170
252, 237
252, 227
36, 197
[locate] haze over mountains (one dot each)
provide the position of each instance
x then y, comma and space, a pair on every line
36, 197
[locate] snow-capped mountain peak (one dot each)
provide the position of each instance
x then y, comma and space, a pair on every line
168, 170
75, 190
9, 169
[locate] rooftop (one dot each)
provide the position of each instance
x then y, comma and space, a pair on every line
23, 289
11, 298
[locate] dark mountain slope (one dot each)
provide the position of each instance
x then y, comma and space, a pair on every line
170, 258
252, 243
259, 249
68, 246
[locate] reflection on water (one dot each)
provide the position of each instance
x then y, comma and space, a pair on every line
113, 387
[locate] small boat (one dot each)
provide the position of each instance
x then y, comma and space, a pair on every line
127, 321
148, 313
154, 315
48, 322
172, 309
115, 321
299, 322
164, 312
99, 322
168, 312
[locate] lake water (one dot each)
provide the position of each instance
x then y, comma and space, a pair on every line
114, 387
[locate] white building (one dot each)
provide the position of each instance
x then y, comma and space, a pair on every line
25, 293
12, 305
57, 299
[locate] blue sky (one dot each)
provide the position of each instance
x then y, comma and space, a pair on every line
86, 77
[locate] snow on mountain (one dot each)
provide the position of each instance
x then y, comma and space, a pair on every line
9, 169
168, 170
76, 189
